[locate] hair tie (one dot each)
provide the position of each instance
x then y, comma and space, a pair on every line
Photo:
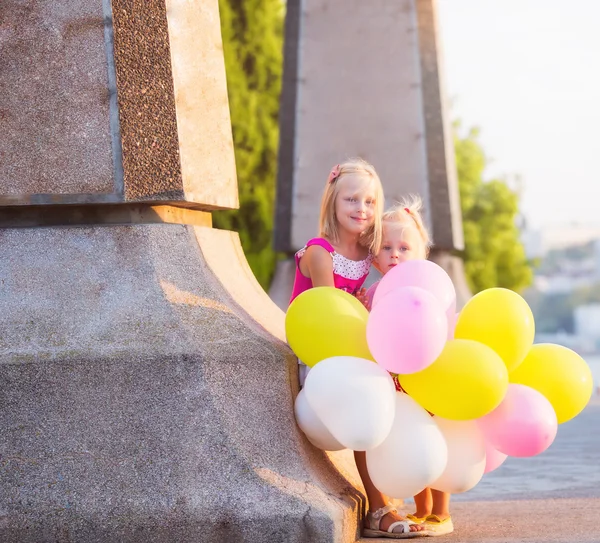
334, 174
407, 210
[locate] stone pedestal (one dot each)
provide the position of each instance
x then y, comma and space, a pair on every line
142, 402
146, 391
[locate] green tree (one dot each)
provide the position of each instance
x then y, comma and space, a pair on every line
494, 255
252, 42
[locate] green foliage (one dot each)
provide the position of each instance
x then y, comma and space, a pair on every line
253, 41
494, 255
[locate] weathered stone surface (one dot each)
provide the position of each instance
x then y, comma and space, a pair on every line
146, 392
112, 101
142, 403
203, 121
54, 110
443, 195
454, 267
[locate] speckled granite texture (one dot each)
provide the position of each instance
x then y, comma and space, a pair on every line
110, 101
54, 109
146, 101
142, 403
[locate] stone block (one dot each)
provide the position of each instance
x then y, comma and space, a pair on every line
114, 102
142, 403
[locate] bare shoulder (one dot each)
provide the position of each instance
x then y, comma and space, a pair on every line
317, 264
317, 257
317, 253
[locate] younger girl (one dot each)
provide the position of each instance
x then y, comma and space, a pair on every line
406, 238
350, 231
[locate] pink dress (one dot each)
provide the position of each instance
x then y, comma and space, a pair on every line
348, 275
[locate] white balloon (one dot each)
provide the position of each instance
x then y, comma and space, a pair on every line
312, 426
466, 455
412, 456
354, 398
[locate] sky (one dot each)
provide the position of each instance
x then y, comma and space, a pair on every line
527, 73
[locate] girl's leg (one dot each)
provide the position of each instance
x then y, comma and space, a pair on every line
375, 498
424, 503
441, 504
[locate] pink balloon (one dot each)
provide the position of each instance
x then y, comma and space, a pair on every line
370, 294
452, 317
524, 424
407, 330
493, 458
418, 273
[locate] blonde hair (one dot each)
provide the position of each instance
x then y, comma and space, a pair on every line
328, 224
407, 213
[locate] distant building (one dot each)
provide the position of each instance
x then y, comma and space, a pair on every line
587, 321
561, 284
532, 243
538, 242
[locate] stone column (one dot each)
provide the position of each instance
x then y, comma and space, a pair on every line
364, 79
146, 391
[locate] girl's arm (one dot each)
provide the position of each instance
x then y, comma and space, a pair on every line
318, 265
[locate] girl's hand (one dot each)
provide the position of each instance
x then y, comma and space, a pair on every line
361, 296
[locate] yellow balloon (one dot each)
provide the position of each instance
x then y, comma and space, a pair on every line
466, 382
323, 322
500, 319
560, 374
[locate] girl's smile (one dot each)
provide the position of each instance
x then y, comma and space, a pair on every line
355, 204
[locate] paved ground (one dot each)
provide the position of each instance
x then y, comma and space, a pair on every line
554, 497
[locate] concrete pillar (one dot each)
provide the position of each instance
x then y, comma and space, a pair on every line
364, 79
146, 391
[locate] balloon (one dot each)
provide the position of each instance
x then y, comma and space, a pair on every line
560, 374
323, 322
452, 320
370, 294
524, 424
493, 458
418, 273
407, 330
466, 456
467, 381
500, 319
312, 426
354, 398
412, 456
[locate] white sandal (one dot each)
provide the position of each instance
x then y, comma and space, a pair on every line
374, 519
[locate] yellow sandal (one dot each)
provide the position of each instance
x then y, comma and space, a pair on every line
415, 519
435, 526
